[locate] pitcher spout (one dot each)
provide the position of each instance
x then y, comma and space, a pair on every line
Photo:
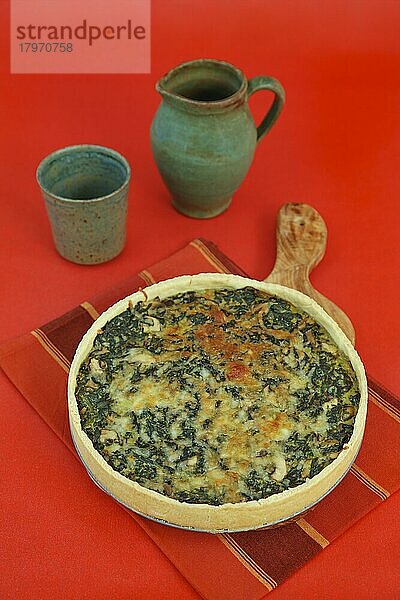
204, 83
162, 89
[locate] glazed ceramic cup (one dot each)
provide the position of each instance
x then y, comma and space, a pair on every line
85, 189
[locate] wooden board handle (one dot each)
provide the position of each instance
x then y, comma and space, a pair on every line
301, 236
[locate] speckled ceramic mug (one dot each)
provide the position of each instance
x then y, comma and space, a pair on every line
85, 189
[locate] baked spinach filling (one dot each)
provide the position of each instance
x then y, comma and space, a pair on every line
217, 396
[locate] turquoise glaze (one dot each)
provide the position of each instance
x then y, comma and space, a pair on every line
203, 135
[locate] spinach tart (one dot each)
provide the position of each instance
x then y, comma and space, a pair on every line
216, 402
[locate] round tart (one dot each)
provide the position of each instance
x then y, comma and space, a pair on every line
217, 403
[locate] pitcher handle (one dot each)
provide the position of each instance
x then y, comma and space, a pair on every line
262, 82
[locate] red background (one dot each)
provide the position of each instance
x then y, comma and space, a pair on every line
336, 146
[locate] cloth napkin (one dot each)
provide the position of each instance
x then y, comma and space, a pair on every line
239, 566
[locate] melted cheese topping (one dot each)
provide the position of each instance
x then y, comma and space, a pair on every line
219, 396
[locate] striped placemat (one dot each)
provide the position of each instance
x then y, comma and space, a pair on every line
239, 566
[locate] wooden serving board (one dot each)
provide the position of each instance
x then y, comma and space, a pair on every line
301, 236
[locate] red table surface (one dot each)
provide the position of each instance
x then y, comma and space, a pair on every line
336, 146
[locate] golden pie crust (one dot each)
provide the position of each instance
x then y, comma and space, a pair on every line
231, 516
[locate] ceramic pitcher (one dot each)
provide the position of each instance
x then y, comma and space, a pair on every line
203, 135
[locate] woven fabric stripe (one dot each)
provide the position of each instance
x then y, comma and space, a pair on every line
51, 349
386, 397
385, 406
375, 487
214, 261
212, 569
147, 277
231, 266
90, 309
247, 561
343, 507
106, 298
67, 338
39, 378
309, 529
382, 433
278, 551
